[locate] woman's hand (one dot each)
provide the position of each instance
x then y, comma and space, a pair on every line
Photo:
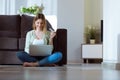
52, 35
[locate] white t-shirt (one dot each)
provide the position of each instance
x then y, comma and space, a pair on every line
38, 42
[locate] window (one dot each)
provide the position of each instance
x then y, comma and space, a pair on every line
11, 7
7, 7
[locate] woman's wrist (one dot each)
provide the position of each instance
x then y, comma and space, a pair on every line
51, 41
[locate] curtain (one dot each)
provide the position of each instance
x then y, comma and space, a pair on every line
7, 7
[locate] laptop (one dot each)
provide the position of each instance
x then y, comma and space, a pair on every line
40, 50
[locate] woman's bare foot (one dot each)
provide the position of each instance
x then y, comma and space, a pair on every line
30, 64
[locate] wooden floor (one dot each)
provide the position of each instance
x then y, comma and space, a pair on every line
69, 72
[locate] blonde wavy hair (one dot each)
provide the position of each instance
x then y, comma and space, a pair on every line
40, 16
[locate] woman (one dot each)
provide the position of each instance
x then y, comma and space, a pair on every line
40, 36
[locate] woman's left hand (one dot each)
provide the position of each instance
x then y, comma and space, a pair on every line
52, 35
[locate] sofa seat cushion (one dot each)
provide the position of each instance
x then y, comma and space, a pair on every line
8, 43
9, 57
21, 43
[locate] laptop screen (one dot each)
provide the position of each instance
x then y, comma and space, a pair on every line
40, 50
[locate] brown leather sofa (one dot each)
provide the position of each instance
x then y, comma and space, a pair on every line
13, 29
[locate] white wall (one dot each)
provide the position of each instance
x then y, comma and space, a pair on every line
71, 16
111, 40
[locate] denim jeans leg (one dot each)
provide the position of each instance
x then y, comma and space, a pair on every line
25, 57
54, 58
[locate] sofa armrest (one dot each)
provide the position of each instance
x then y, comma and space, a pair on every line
60, 44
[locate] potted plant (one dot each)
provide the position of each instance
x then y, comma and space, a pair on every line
90, 34
35, 9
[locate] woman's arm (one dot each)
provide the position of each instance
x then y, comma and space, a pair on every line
52, 35
27, 42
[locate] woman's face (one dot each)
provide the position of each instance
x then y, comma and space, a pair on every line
39, 24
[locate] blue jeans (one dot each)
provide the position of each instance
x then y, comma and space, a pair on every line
54, 58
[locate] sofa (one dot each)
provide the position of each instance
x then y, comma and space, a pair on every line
13, 29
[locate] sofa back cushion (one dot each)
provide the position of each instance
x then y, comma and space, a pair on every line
26, 24
10, 25
9, 31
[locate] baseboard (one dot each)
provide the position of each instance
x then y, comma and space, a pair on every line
115, 66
